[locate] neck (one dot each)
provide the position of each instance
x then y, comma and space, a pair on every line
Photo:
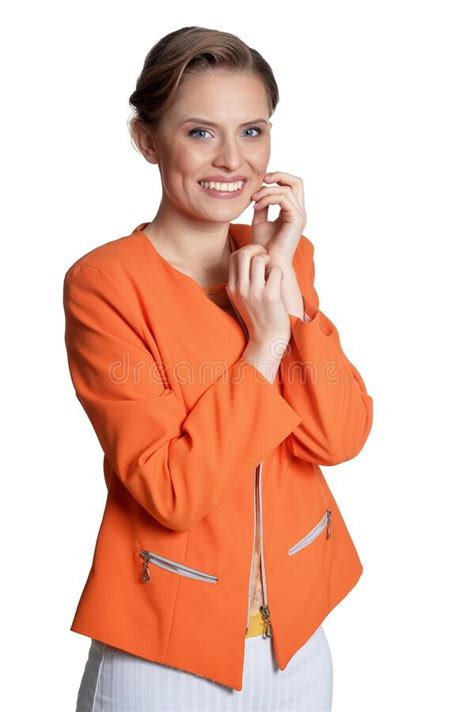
200, 249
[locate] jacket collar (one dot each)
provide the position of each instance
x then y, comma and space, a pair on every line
185, 308
240, 232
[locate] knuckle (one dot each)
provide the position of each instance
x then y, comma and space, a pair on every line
270, 297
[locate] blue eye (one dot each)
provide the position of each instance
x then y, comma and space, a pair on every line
193, 132
254, 128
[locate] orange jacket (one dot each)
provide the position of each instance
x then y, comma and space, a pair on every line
190, 430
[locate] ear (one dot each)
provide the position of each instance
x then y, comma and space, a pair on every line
145, 141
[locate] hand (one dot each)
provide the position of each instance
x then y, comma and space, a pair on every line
281, 236
255, 293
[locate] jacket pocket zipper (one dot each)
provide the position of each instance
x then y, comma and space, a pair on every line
172, 566
324, 523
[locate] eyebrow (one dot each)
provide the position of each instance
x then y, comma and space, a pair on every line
196, 119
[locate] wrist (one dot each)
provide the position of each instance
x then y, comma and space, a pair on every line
271, 344
282, 261
260, 355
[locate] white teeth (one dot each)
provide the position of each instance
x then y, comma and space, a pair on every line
223, 187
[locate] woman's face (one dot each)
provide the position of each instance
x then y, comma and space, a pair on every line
231, 138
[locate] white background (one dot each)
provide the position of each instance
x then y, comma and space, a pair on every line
376, 115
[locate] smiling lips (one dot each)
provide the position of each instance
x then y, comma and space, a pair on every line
223, 189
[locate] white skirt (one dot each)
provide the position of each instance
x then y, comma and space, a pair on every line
116, 681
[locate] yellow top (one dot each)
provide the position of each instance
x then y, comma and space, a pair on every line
256, 626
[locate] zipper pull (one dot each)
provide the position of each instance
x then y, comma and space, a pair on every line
329, 527
265, 611
145, 575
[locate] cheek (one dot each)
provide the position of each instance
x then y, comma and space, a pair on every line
183, 166
259, 156
185, 157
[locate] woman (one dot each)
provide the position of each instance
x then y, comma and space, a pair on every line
221, 548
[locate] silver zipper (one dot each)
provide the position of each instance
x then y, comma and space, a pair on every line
172, 566
264, 610
253, 554
315, 532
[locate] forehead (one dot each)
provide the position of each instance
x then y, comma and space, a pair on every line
222, 97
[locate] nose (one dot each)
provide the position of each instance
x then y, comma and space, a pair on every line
228, 155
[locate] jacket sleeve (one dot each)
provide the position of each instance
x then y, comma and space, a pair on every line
178, 465
321, 384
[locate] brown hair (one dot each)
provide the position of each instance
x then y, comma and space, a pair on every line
187, 51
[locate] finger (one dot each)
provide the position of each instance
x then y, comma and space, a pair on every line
259, 216
285, 200
267, 189
244, 257
238, 262
232, 276
273, 285
288, 193
257, 271
281, 178
260, 195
